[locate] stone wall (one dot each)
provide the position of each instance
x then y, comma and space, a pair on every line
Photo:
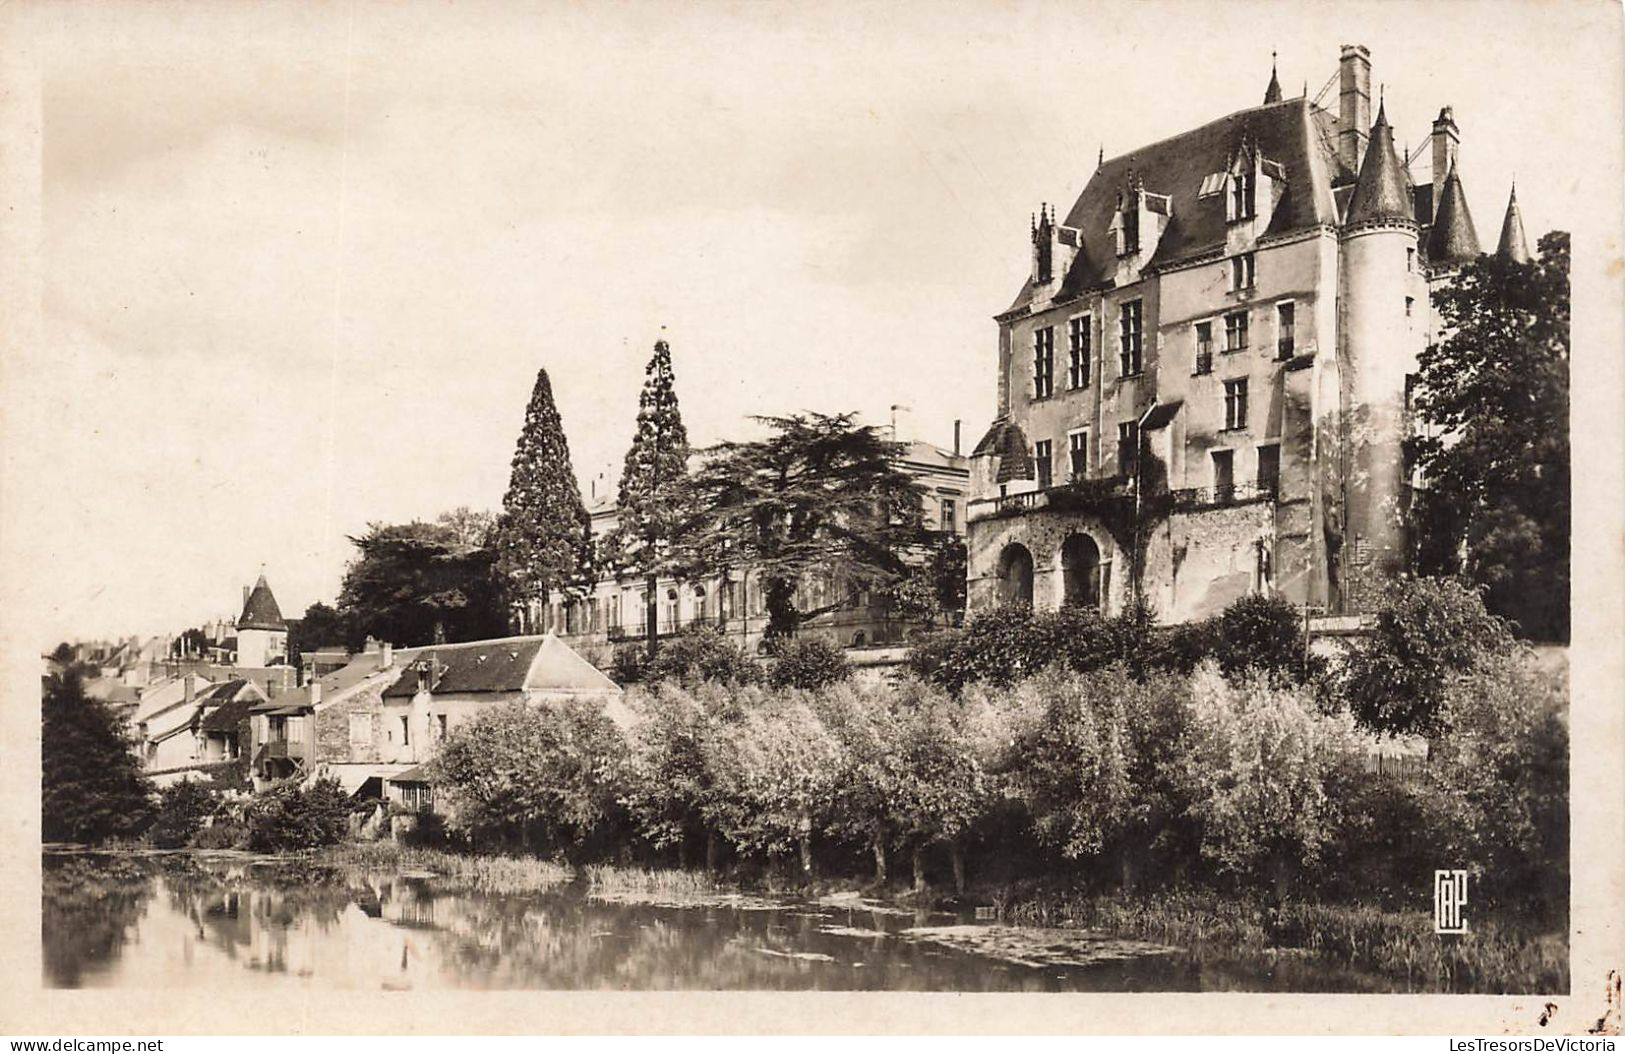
1199, 562
333, 740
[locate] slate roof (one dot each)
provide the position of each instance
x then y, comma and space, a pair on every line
509, 664
261, 611
1161, 415
1294, 134
415, 774
227, 718
1453, 238
1382, 193
1513, 244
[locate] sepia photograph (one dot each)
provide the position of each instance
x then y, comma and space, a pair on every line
1002, 497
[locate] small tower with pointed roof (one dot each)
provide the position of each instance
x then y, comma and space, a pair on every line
1272, 93
1382, 332
262, 634
1513, 245
1453, 240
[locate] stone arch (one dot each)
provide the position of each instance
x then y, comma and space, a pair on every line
1016, 574
1082, 580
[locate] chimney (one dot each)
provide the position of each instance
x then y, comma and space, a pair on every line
273, 687
371, 646
316, 692
386, 655
190, 687
1446, 138
900, 430
1353, 104
956, 436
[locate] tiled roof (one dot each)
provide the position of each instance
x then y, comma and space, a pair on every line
1382, 193
415, 774
1292, 134
1453, 238
261, 611
1008, 442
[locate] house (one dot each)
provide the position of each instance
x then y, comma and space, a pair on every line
1203, 383
383, 714
616, 609
205, 725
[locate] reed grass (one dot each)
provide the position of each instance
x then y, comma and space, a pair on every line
486, 874
1492, 957
603, 878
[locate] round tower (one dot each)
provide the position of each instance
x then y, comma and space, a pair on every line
1383, 319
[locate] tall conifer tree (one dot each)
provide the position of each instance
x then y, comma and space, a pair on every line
651, 504
544, 537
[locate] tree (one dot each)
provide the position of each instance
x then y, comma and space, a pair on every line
1493, 399
1430, 635
669, 787
415, 583
820, 495
810, 662
544, 535
548, 774
934, 589
651, 506
290, 816
91, 784
321, 626
182, 808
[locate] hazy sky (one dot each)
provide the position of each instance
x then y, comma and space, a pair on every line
301, 262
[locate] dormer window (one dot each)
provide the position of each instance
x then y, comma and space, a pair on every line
1131, 226
1241, 195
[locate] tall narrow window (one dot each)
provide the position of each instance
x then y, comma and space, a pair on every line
1235, 331
1043, 362
1235, 403
1130, 321
1204, 347
1044, 457
1410, 305
1128, 447
949, 517
1285, 321
1224, 475
1241, 196
1077, 451
1269, 468
1241, 271
406, 731
1131, 225
1077, 352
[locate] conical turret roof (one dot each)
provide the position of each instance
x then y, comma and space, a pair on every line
1380, 193
1453, 238
1273, 92
261, 612
1513, 244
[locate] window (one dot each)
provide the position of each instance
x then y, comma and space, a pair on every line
1077, 450
1235, 331
1410, 303
360, 731
1130, 320
440, 721
1131, 225
950, 511
418, 797
1241, 196
1224, 475
1285, 319
1044, 457
1269, 468
1410, 260
1077, 352
1235, 403
1241, 271
1128, 447
1043, 362
406, 731
1212, 183
1204, 347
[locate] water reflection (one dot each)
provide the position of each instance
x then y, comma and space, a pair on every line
180, 920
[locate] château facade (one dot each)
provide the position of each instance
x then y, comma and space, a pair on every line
1203, 384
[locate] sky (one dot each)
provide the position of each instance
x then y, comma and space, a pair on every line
300, 262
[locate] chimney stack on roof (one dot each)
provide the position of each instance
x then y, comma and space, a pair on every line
1353, 104
386, 655
1446, 138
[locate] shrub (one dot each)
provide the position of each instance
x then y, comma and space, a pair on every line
222, 834
293, 817
806, 662
1262, 633
700, 653
668, 785
1431, 634
627, 662
182, 808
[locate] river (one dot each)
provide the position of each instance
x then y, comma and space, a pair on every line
148, 920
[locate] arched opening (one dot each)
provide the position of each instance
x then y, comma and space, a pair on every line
1016, 575
1080, 571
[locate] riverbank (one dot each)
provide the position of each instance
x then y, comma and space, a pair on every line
1363, 947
